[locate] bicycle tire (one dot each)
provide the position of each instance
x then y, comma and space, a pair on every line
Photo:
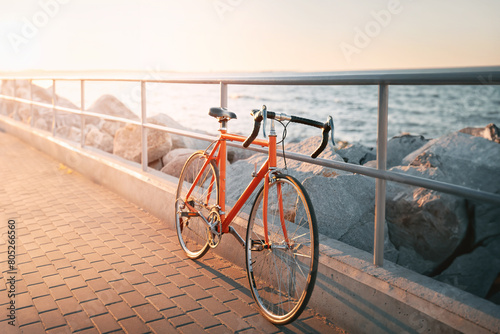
282, 280
192, 230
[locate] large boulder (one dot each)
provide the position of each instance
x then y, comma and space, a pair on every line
235, 153
98, 139
127, 143
490, 132
175, 160
474, 272
174, 153
471, 162
177, 140
400, 146
302, 170
344, 207
341, 202
409, 258
357, 154
431, 224
109, 105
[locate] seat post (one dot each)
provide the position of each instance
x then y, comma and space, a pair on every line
223, 124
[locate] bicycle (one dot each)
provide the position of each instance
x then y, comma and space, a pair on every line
281, 244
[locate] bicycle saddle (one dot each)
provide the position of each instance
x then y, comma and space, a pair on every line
219, 112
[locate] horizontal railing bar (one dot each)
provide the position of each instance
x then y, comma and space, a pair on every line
110, 118
72, 111
440, 76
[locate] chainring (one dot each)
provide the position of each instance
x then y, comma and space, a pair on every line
214, 231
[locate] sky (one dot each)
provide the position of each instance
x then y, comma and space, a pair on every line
247, 35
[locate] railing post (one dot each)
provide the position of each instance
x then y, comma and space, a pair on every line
383, 105
54, 116
82, 118
32, 122
144, 131
223, 95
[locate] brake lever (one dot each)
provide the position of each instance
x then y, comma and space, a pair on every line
264, 121
332, 127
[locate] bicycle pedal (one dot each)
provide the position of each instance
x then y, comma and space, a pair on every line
258, 245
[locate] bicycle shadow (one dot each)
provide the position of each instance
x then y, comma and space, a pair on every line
234, 279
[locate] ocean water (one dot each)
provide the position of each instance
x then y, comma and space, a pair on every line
431, 111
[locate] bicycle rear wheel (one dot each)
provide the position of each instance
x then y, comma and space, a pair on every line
282, 274
192, 230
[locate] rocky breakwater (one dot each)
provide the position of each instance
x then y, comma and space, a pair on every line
452, 239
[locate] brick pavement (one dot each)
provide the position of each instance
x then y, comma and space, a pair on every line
88, 261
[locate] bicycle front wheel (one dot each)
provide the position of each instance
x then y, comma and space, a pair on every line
197, 194
282, 272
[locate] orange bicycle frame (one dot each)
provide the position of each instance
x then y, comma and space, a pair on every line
264, 172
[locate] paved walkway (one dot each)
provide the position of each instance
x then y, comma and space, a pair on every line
88, 261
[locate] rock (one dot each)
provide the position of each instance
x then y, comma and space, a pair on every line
303, 170
357, 154
69, 132
400, 146
173, 154
157, 164
493, 245
341, 202
471, 162
490, 132
41, 123
178, 141
175, 160
432, 224
344, 208
127, 143
162, 119
110, 127
234, 154
239, 175
474, 272
98, 139
110, 105
410, 259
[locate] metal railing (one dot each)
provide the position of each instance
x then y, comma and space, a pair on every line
461, 76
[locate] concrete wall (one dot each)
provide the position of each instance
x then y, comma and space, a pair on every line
350, 291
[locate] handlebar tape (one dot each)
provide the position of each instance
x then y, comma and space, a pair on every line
258, 119
255, 133
324, 142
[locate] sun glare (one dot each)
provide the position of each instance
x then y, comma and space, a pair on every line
248, 36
